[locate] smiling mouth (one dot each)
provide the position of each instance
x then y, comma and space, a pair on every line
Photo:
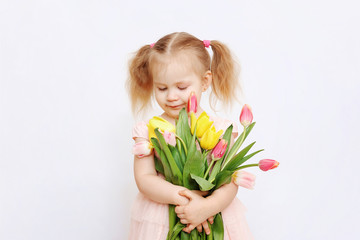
177, 106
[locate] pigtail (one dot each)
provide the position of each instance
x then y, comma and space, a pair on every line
224, 70
139, 83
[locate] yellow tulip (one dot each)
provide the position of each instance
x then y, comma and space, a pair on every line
210, 138
202, 123
162, 124
193, 120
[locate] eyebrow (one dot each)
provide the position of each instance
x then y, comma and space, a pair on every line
176, 83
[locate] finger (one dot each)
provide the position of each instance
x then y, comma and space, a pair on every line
200, 193
184, 221
199, 228
181, 215
211, 220
185, 229
189, 228
186, 193
179, 209
206, 227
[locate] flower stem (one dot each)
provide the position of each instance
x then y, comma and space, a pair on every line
182, 142
248, 165
210, 166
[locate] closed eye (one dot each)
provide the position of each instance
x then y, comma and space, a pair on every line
182, 88
162, 89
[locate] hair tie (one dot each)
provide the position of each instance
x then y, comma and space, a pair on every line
151, 45
206, 43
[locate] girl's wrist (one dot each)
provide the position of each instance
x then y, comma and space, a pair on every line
210, 207
177, 198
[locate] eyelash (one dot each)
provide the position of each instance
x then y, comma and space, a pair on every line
180, 88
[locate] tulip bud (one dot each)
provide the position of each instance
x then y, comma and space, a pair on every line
244, 179
203, 123
246, 116
219, 150
210, 138
170, 138
142, 149
267, 164
192, 103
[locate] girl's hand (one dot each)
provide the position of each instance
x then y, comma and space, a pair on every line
196, 212
179, 199
201, 193
200, 227
204, 225
182, 200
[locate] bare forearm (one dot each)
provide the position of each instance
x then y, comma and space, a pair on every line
153, 186
221, 198
159, 190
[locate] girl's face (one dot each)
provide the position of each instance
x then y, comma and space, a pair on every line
174, 80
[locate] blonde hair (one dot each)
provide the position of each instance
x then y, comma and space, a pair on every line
222, 65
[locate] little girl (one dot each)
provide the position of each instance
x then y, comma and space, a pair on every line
170, 70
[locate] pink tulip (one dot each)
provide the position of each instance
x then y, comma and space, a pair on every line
246, 116
192, 103
170, 138
267, 164
219, 150
244, 179
142, 149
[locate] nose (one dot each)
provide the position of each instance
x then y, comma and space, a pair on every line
172, 96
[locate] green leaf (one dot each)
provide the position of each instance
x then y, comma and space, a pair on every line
238, 159
204, 184
163, 159
159, 166
177, 229
211, 235
194, 234
215, 171
224, 177
251, 155
172, 216
177, 176
184, 235
183, 128
194, 164
203, 235
177, 157
227, 135
181, 151
218, 227
238, 143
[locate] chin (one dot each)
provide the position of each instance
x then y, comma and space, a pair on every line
174, 113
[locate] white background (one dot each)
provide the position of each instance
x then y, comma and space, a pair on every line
65, 123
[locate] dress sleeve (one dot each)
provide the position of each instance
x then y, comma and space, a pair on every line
141, 148
140, 130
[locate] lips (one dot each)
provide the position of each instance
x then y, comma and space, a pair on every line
176, 107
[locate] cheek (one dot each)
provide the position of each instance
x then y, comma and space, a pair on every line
186, 94
158, 95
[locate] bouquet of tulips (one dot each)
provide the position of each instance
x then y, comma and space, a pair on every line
182, 153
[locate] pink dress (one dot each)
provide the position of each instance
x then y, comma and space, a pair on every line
149, 219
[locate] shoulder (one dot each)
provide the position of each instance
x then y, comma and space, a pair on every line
222, 123
140, 130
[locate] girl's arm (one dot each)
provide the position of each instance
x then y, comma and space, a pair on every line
199, 209
153, 186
